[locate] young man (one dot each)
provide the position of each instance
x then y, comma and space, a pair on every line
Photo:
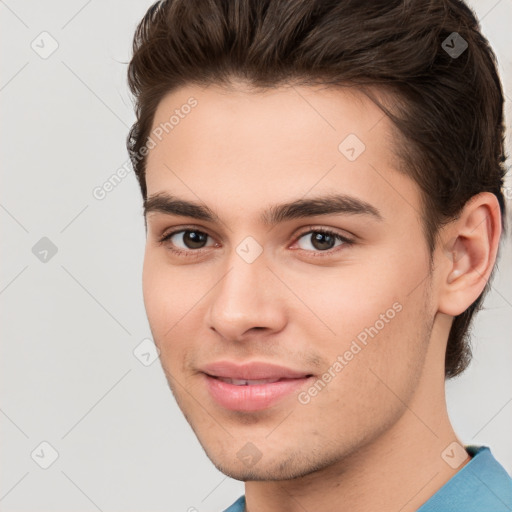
322, 185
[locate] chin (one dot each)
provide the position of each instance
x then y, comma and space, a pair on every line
287, 467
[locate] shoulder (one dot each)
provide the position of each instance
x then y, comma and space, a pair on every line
481, 485
238, 505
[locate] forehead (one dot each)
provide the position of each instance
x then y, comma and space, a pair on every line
293, 119
242, 147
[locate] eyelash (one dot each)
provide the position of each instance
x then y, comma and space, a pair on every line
315, 254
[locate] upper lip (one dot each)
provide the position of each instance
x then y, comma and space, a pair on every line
251, 371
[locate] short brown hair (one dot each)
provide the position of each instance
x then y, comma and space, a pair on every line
447, 108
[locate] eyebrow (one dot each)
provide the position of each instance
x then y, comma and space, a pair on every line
301, 208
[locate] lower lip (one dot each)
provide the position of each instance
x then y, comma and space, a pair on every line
252, 398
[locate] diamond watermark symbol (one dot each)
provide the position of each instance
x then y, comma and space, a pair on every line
351, 147
44, 455
44, 250
146, 352
454, 45
249, 454
44, 45
454, 455
249, 249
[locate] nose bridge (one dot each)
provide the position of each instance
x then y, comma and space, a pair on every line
243, 297
247, 272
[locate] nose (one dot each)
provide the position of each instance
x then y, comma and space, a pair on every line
249, 297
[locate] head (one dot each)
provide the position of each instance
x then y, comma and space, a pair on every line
284, 119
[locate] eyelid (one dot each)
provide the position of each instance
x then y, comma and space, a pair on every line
347, 240
323, 228
307, 229
177, 229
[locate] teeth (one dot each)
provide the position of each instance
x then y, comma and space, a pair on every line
242, 382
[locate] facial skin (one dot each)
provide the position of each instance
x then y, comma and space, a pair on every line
374, 435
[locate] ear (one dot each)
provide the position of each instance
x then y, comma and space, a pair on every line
470, 246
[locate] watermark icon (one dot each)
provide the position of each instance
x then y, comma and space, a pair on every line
146, 352
44, 45
249, 249
356, 346
44, 250
44, 455
454, 455
454, 45
249, 454
351, 147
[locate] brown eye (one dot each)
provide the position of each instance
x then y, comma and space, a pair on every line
321, 240
193, 239
185, 240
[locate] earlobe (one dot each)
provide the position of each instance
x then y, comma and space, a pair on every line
470, 254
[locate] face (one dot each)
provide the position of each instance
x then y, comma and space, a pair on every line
330, 300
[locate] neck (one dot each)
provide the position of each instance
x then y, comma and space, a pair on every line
398, 471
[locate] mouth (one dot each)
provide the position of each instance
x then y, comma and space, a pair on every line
252, 382
251, 395
253, 385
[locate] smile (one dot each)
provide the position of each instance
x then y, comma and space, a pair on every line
253, 395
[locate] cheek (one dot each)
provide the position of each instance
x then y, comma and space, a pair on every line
378, 376
163, 297
174, 303
383, 360
153, 291
353, 299
380, 324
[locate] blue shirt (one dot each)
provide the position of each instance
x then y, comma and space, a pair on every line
482, 485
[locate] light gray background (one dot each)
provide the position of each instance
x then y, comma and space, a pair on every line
69, 376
